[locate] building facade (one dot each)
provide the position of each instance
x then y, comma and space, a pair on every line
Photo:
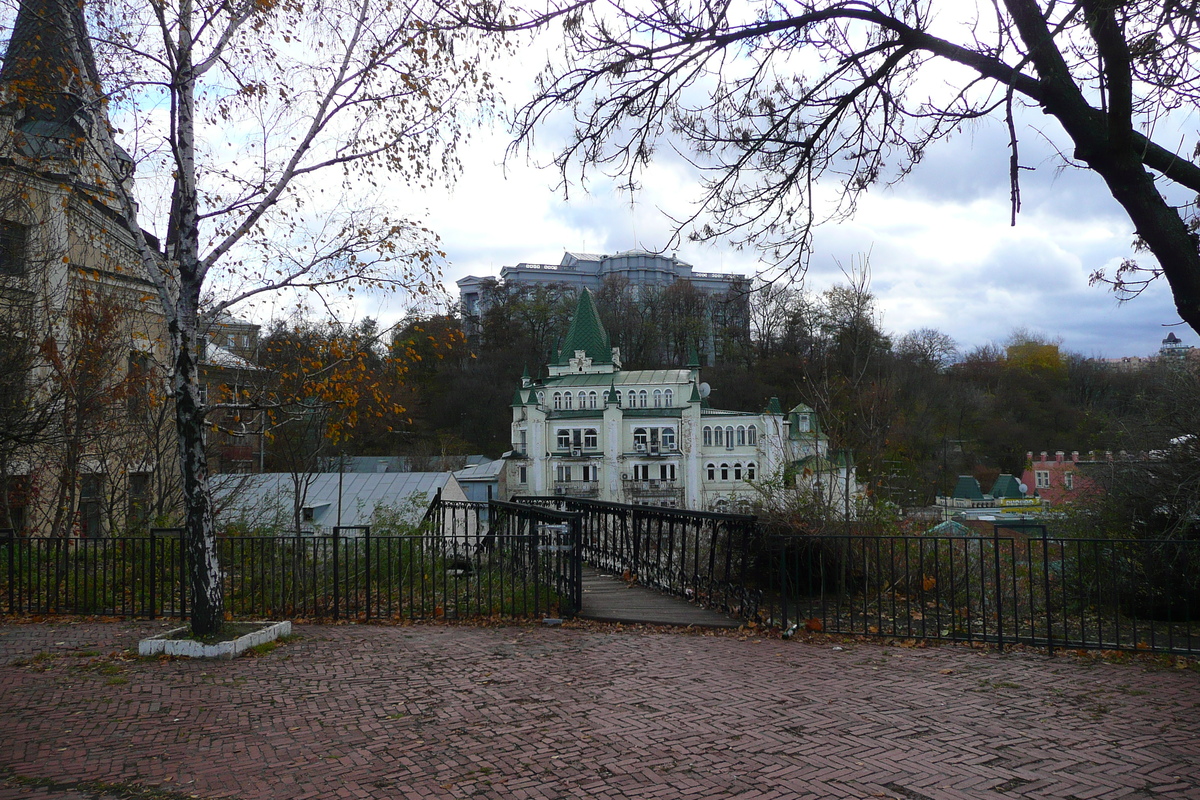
591, 429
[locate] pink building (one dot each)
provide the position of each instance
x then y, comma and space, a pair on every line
1058, 478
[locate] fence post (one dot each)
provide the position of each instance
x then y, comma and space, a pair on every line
1046, 591
153, 570
336, 584
12, 546
367, 588
183, 576
999, 587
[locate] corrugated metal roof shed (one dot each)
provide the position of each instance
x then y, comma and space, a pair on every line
266, 499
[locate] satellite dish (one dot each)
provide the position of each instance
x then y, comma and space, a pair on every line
705, 389
1024, 488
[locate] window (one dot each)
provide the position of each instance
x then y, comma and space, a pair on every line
724, 472
640, 438
752, 436
591, 399
564, 439
1069, 480
90, 490
668, 398
139, 499
737, 470
668, 438
590, 440
642, 397
568, 401
523, 475
1042, 479
641, 472
741, 434
523, 440
712, 471
666, 472
558, 401
12, 248
583, 400
541, 398
750, 471
657, 398
618, 398
562, 473
707, 436
718, 436
722, 506
308, 514
729, 438
803, 422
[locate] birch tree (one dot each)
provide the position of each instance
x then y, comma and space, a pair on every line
252, 123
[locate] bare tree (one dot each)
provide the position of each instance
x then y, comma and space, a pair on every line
772, 100
256, 120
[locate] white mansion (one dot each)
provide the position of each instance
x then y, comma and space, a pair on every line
590, 429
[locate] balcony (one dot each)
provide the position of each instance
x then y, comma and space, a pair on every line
577, 488
652, 488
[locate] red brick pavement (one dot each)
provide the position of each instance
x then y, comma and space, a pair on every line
541, 713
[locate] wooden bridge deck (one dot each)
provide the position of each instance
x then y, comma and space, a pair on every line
607, 598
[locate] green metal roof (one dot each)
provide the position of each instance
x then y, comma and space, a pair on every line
650, 413
517, 399
1007, 486
586, 334
967, 488
950, 528
648, 378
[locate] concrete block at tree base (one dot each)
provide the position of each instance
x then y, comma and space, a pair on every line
164, 644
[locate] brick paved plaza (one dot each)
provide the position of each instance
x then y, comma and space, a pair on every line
530, 712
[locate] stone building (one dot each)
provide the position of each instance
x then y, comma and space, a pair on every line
592, 429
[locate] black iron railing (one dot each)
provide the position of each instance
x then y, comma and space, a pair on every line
472, 560
1020, 588
705, 557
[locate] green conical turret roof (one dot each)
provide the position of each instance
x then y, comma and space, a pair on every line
586, 334
517, 399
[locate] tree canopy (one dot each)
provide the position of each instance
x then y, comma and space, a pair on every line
779, 103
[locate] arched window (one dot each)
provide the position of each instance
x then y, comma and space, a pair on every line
557, 401
729, 437
750, 471
712, 471
591, 399
722, 506
541, 398
618, 398
737, 470
642, 396
724, 472
752, 436
668, 438
668, 398
590, 439
567, 401
658, 398
718, 436
741, 435
640, 438
582, 400
708, 436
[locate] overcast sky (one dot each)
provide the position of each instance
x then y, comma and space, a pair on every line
941, 249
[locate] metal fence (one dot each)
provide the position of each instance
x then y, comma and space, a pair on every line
1022, 587
519, 563
707, 558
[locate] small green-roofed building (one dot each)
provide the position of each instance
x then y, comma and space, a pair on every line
1007, 487
967, 488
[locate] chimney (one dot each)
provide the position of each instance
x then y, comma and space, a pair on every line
1108, 455
1058, 456
1043, 458
1029, 455
1075, 456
